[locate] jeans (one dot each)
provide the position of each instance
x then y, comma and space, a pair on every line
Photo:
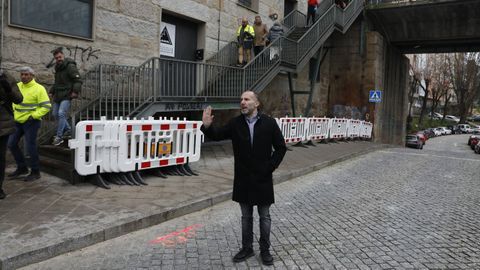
28, 129
258, 49
3, 150
60, 112
247, 226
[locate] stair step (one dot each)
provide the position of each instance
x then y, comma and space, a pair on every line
61, 169
61, 152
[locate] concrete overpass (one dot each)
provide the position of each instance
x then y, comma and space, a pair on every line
427, 26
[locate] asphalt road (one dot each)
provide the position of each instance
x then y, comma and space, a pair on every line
392, 209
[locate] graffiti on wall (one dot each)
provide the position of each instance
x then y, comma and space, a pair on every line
352, 112
77, 53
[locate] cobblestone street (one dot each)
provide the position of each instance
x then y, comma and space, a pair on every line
391, 209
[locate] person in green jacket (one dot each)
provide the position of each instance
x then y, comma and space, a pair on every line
28, 116
67, 86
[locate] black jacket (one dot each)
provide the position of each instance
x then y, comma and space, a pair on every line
8, 94
67, 80
254, 165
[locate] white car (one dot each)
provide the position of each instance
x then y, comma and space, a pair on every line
439, 131
452, 118
464, 128
436, 116
475, 129
446, 131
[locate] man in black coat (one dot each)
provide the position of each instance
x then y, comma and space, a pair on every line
253, 135
8, 94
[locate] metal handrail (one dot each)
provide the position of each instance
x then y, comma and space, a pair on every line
95, 81
123, 91
228, 55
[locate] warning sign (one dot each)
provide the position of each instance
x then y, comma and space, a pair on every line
167, 39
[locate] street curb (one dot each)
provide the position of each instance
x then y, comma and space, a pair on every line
137, 223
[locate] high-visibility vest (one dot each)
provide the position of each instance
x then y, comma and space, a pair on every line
36, 102
248, 29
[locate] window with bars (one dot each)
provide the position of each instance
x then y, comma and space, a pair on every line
63, 17
250, 4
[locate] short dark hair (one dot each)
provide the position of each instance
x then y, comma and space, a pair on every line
57, 51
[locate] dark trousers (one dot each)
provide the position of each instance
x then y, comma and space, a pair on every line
28, 129
258, 49
311, 14
3, 151
247, 226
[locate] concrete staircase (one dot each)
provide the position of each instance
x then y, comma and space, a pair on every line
110, 89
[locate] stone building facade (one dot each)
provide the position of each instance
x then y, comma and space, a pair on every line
128, 32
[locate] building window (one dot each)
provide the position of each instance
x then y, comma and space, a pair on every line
250, 4
247, 3
63, 17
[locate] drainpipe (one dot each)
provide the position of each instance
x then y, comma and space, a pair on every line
219, 16
1, 35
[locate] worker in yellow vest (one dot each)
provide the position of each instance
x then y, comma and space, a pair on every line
245, 35
28, 116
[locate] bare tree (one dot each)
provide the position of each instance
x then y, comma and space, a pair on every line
422, 72
465, 77
440, 81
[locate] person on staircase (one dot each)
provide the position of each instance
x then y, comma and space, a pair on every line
8, 94
261, 33
275, 32
245, 36
67, 86
28, 116
311, 11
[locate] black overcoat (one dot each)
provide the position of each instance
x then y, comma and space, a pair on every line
254, 165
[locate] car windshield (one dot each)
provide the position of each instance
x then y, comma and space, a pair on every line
411, 137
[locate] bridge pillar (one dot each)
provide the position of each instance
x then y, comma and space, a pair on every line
391, 114
361, 61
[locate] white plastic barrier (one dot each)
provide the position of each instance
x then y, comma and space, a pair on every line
338, 128
366, 130
293, 128
130, 145
354, 128
317, 128
88, 145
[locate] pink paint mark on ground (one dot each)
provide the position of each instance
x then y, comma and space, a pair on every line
177, 237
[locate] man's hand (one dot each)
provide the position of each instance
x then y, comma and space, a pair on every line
207, 117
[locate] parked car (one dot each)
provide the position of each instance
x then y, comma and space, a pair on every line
414, 141
422, 137
446, 131
475, 118
472, 141
464, 128
435, 132
430, 133
453, 129
477, 148
475, 129
435, 115
452, 118
440, 130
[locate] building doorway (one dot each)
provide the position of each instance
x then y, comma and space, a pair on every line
289, 6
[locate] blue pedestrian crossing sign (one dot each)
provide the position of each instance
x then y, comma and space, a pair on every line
375, 96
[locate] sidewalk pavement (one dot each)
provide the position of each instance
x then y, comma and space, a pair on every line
49, 217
